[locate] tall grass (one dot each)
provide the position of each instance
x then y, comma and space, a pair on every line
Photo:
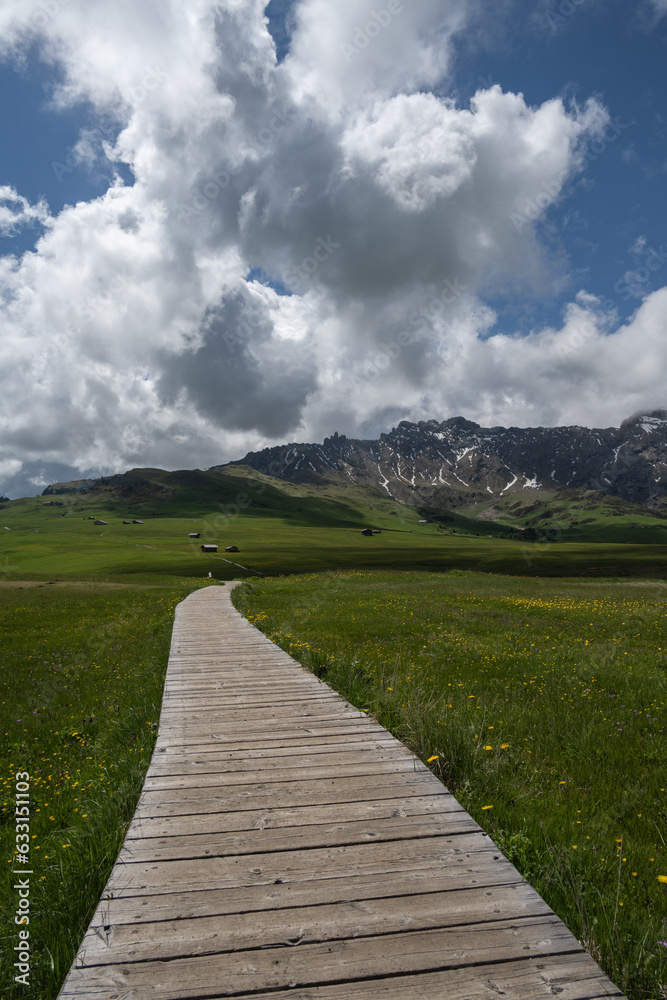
81, 676
540, 703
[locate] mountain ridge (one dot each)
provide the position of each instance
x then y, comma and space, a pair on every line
460, 463
441, 466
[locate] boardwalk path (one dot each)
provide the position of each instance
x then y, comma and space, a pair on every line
287, 846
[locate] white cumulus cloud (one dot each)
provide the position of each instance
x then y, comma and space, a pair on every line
138, 332
17, 212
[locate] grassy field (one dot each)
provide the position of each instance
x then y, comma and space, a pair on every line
81, 675
85, 617
47, 543
569, 515
540, 703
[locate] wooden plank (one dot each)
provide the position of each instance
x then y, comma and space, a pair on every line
569, 977
226, 667
309, 924
196, 765
165, 767
294, 736
359, 723
190, 707
218, 751
239, 773
235, 708
246, 735
238, 722
308, 815
279, 795
264, 673
296, 838
471, 852
339, 747
233, 973
283, 894
233, 716
235, 681
203, 703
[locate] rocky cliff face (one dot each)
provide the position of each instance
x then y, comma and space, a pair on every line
457, 462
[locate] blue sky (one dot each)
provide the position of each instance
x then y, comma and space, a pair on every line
38, 139
613, 51
398, 166
617, 52
610, 50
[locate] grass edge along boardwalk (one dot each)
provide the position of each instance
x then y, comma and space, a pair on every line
286, 845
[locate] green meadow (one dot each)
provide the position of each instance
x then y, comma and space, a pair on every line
541, 705
81, 674
441, 629
282, 535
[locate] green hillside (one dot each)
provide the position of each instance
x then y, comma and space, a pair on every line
84, 658
575, 515
285, 528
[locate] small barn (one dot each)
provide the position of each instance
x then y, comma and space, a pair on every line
194, 534
209, 548
100, 522
367, 531
127, 522
231, 548
137, 522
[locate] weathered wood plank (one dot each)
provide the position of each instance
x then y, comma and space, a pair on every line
283, 894
279, 795
470, 852
310, 964
238, 774
309, 815
309, 924
177, 736
339, 759
569, 977
266, 698
175, 741
233, 721
237, 723
297, 838
233, 679
216, 752
246, 736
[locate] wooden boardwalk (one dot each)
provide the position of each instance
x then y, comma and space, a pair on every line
285, 845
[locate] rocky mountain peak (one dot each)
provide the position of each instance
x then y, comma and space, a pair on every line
457, 461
